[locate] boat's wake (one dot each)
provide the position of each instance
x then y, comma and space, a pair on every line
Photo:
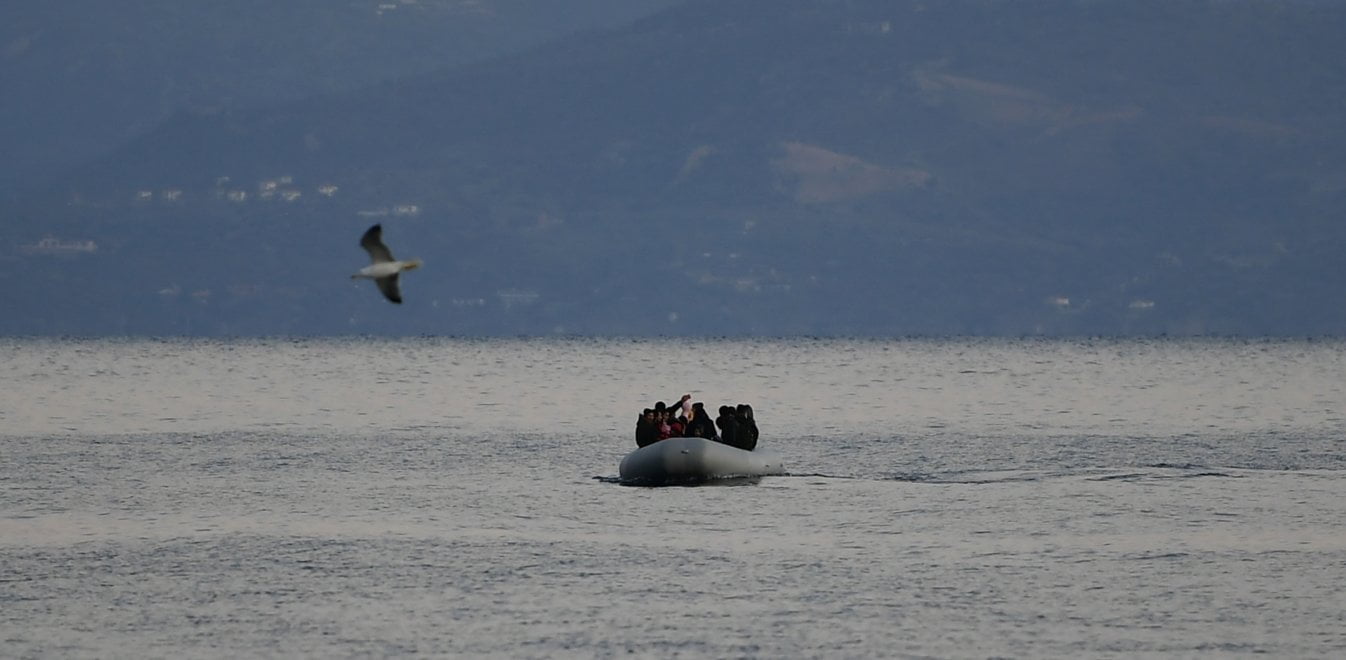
684, 483
965, 478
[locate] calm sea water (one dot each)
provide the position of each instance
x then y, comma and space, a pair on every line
444, 497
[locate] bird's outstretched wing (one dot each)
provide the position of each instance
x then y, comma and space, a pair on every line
372, 242
388, 285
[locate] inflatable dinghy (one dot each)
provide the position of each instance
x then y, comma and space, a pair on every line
694, 460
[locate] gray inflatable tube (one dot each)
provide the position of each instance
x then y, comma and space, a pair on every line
693, 460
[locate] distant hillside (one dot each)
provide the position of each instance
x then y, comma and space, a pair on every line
748, 167
82, 76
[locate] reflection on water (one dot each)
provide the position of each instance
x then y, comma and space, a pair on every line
964, 498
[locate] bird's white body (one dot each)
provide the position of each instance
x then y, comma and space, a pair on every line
384, 268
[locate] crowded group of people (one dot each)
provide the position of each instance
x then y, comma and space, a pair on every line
734, 426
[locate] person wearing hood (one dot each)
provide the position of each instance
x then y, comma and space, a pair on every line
699, 423
647, 429
747, 427
727, 422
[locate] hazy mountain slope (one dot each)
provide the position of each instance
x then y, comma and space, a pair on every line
81, 76
860, 167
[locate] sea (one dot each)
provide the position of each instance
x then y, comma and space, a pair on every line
454, 497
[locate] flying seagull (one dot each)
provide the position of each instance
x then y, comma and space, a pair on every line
384, 268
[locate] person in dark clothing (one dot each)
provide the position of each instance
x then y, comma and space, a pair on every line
747, 427
727, 422
647, 429
699, 423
